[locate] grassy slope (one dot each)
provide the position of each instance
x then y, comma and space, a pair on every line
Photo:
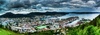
7, 32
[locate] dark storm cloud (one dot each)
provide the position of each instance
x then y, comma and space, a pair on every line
8, 4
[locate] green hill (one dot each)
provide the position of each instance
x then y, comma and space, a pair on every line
92, 28
7, 32
96, 21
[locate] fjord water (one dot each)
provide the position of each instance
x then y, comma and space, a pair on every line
86, 16
66, 9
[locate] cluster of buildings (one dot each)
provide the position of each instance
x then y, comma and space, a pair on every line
39, 23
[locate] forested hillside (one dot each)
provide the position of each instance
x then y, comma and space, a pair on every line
92, 28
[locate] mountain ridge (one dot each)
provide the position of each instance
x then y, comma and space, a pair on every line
12, 15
